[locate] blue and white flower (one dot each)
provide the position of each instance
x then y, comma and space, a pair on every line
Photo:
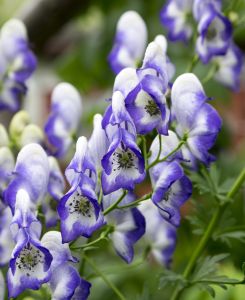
200, 7
130, 42
31, 173
215, 34
128, 225
175, 16
29, 265
144, 91
79, 210
198, 123
17, 63
229, 67
171, 188
63, 122
6, 240
65, 282
160, 235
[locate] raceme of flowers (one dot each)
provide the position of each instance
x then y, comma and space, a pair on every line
105, 168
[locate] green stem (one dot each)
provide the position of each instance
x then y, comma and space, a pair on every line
211, 226
106, 280
144, 151
155, 162
103, 235
211, 73
114, 205
193, 63
219, 282
134, 203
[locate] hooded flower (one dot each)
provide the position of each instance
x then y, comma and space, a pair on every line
128, 225
144, 90
171, 188
6, 239
123, 164
174, 16
198, 123
63, 122
200, 7
229, 67
130, 42
17, 63
215, 33
160, 235
29, 265
31, 174
65, 282
79, 209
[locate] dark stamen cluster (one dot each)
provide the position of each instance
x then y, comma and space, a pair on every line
123, 160
28, 259
81, 205
151, 108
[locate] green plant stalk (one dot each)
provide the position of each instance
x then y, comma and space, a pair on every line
132, 204
114, 205
106, 280
155, 162
211, 226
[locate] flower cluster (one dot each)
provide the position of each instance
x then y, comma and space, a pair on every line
155, 131
214, 42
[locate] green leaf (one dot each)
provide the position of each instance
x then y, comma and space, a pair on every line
207, 266
169, 277
228, 236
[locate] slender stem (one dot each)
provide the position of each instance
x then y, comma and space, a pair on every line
103, 235
106, 280
219, 282
211, 73
144, 151
114, 205
160, 146
193, 63
155, 162
211, 226
134, 203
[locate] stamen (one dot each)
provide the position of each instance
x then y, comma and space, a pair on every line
151, 108
80, 205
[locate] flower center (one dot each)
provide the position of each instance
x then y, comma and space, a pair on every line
211, 33
151, 108
81, 205
28, 259
123, 159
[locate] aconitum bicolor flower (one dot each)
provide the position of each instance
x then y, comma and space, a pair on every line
31, 173
25, 215
128, 225
174, 16
200, 7
171, 188
144, 91
29, 265
198, 123
160, 235
17, 63
162, 42
6, 240
98, 142
6, 167
63, 122
56, 186
65, 282
229, 67
130, 42
79, 209
215, 33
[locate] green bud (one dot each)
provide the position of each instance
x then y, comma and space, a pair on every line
4, 139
